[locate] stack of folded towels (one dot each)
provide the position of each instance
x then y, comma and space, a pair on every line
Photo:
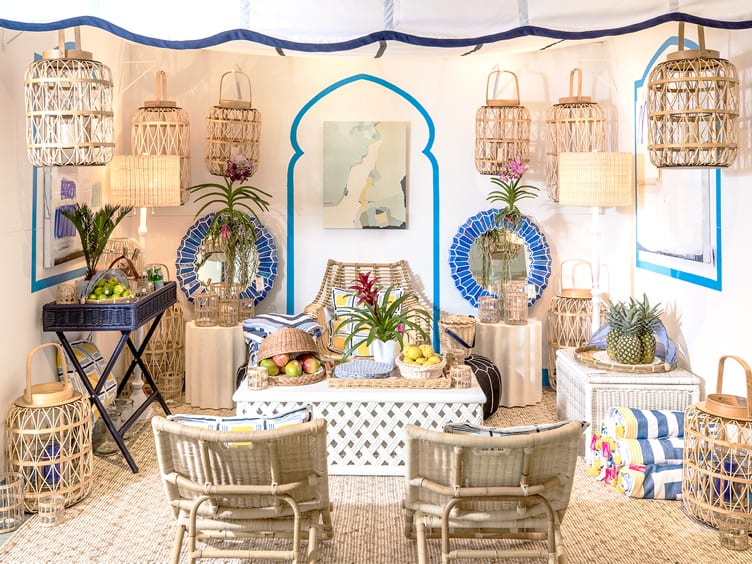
639, 452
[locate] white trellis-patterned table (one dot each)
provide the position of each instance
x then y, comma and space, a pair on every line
366, 426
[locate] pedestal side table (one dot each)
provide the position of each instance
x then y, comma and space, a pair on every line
516, 350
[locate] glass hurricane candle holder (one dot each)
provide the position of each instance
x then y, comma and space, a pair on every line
515, 302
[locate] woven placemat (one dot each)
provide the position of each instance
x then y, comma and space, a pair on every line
589, 355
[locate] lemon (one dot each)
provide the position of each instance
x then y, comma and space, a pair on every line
433, 359
426, 351
412, 352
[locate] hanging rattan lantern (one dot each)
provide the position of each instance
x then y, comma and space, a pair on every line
232, 128
69, 119
574, 125
160, 127
502, 131
693, 105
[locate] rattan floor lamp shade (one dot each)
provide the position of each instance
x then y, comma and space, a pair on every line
576, 124
68, 99
233, 127
160, 127
693, 106
502, 130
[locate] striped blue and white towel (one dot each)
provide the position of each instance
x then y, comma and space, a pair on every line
631, 423
653, 481
649, 451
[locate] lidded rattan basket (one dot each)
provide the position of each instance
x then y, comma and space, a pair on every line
502, 130
233, 127
287, 340
160, 127
49, 438
717, 475
575, 125
693, 106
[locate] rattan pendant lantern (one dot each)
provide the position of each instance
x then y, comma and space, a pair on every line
233, 127
68, 98
693, 106
160, 127
502, 131
575, 125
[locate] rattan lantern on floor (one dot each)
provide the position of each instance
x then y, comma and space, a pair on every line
502, 130
233, 127
693, 106
160, 127
68, 98
575, 125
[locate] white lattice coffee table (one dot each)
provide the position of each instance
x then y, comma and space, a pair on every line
366, 426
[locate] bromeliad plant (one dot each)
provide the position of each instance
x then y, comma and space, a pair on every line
232, 231
380, 316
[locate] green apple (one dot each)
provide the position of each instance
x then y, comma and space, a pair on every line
293, 368
271, 368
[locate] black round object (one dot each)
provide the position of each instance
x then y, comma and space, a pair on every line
489, 379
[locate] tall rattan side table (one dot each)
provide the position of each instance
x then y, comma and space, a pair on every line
122, 317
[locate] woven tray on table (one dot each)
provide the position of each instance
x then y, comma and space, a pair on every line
293, 342
432, 377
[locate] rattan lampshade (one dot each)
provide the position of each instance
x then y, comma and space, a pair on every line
597, 179
693, 106
233, 128
575, 124
502, 130
160, 127
68, 98
147, 181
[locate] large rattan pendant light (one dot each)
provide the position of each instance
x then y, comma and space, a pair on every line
160, 127
693, 105
575, 125
502, 130
233, 127
69, 118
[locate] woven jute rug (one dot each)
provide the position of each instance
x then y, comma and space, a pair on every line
126, 518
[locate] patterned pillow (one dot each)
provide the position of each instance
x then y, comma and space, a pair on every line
91, 360
259, 423
470, 429
340, 328
208, 422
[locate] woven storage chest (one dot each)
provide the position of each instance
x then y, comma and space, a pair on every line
586, 393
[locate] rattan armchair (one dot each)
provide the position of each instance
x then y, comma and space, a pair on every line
342, 275
228, 484
471, 487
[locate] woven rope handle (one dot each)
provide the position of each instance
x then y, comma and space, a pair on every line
514, 101
76, 39
747, 374
29, 358
578, 72
578, 262
250, 95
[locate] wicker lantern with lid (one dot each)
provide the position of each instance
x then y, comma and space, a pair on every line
233, 128
693, 106
69, 118
160, 127
575, 125
502, 131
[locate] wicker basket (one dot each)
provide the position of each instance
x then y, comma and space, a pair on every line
439, 382
457, 331
418, 372
717, 479
289, 340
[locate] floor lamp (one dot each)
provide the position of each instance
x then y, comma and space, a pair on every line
597, 180
144, 181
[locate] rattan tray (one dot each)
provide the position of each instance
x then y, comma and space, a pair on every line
587, 355
302, 380
392, 382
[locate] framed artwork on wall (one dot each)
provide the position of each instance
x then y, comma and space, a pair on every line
57, 255
678, 210
365, 174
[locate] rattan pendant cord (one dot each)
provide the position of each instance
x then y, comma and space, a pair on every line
233, 128
68, 98
574, 125
502, 130
693, 106
160, 127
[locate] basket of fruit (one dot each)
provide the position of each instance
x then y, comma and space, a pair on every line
289, 356
109, 287
420, 361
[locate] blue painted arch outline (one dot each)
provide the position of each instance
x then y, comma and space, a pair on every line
298, 153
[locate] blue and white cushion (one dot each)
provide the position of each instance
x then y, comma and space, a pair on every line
470, 429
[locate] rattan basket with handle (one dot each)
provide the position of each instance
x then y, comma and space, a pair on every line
293, 342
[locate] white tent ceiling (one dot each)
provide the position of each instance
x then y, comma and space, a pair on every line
369, 27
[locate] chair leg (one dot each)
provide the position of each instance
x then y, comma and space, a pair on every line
178, 544
421, 538
313, 547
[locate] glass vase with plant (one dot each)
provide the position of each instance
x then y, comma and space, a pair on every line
94, 229
503, 242
381, 315
231, 231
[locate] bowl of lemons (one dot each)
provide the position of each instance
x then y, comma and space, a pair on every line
420, 361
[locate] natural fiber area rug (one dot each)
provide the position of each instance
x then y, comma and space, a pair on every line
126, 518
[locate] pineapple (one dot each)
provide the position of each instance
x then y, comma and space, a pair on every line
650, 317
628, 345
614, 317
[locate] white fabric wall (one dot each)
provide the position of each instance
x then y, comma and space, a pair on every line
705, 323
